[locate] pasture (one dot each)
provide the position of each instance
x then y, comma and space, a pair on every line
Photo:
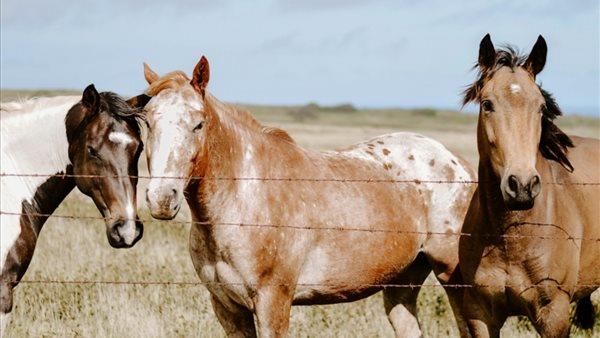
77, 250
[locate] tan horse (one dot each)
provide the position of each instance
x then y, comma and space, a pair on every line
532, 254
263, 270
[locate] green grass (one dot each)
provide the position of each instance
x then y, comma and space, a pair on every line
77, 250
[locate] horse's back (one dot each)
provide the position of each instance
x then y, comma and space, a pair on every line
585, 158
446, 177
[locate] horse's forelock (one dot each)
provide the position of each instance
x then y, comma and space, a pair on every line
172, 80
506, 56
120, 110
111, 104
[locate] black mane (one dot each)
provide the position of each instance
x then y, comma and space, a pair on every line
110, 103
119, 109
554, 143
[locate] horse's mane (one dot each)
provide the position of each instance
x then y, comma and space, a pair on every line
172, 80
554, 143
177, 79
245, 118
112, 104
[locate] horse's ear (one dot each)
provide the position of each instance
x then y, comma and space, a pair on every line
201, 76
90, 98
537, 58
139, 101
149, 74
487, 53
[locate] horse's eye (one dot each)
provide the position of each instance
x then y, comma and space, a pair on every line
92, 152
487, 105
199, 126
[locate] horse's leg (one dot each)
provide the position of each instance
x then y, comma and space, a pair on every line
273, 306
401, 303
552, 319
14, 267
236, 320
479, 318
443, 258
5, 305
455, 297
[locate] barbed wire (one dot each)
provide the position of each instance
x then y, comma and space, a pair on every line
333, 285
337, 228
301, 227
279, 179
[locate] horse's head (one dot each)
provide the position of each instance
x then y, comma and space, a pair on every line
515, 120
104, 148
176, 119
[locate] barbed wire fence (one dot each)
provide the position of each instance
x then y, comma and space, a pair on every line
566, 236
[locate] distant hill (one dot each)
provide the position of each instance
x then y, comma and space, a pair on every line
19, 94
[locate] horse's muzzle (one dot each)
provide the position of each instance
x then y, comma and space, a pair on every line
520, 194
164, 202
124, 233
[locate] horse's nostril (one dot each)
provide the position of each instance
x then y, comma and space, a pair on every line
513, 184
116, 225
174, 193
535, 186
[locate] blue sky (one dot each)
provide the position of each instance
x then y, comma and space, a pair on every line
370, 53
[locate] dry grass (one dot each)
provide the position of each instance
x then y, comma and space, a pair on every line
77, 250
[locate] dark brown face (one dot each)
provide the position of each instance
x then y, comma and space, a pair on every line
106, 145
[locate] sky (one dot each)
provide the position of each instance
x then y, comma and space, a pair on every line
378, 53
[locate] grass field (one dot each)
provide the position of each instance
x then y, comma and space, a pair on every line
78, 250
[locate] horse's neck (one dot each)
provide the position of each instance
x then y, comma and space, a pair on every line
233, 145
490, 197
36, 143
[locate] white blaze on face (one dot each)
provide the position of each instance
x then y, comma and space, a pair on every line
169, 129
514, 88
171, 147
130, 211
120, 138
129, 230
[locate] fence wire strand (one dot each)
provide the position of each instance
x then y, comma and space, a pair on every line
307, 285
281, 179
338, 228
302, 227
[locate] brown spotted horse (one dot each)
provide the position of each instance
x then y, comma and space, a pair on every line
98, 136
342, 226
534, 219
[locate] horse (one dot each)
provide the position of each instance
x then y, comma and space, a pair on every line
50, 146
276, 225
533, 223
